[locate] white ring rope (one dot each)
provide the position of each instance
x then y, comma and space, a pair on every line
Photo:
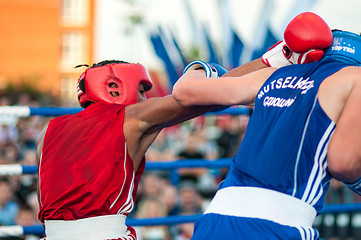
17, 111
7, 231
11, 169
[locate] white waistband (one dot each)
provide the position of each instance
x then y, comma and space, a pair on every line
262, 203
93, 228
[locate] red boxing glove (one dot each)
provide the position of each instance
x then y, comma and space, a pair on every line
277, 56
307, 35
305, 38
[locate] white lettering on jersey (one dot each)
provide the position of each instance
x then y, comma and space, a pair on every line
277, 102
289, 82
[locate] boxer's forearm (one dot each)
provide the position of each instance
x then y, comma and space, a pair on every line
246, 68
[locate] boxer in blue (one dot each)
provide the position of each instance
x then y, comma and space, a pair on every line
305, 129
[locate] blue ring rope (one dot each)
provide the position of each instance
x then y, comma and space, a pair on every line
53, 111
59, 111
30, 169
194, 163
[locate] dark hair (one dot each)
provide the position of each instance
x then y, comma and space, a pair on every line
105, 62
4, 180
102, 63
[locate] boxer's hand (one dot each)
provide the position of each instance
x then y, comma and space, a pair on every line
209, 70
277, 56
212, 70
220, 72
305, 38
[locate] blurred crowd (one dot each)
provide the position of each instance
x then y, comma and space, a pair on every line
161, 193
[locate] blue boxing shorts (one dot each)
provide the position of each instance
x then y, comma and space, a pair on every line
256, 213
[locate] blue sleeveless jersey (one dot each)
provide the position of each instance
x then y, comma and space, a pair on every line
285, 145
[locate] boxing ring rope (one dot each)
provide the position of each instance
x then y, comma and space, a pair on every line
25, 111
18, 169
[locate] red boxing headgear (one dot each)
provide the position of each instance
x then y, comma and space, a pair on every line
112, 83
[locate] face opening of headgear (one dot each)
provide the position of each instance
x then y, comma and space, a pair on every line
112, 81
346, 47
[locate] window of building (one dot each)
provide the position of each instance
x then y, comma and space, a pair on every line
72, 49
74, 12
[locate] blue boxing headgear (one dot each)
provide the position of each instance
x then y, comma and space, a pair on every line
346, 47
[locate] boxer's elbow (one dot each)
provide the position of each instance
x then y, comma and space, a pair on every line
183, 95
344, 165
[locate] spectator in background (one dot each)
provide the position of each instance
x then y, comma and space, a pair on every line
170, 196
8, 132
27, 183
11, 153
152, 208
202, 177
191, 151
8, 207
23, 99
26, 217
162, 148
33, 203
29, 129
233, 129
232, 133
150, 185
190, 201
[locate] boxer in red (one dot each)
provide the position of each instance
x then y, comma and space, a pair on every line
90, 163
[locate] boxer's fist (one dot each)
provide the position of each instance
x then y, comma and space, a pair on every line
198, 65
277, 56
305, 37
213, 70
220, 70
307, 31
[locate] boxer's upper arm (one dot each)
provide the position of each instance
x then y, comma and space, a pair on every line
157, 113
143, 121
344, 153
